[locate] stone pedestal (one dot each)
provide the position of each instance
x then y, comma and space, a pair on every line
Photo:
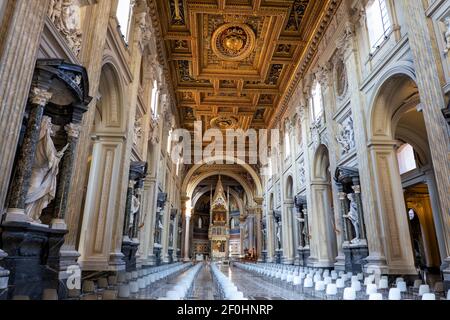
278, 256
157, 255
264, 256
129, 250
170, 256
304, 254
355, 255
446, 274
33, 258
4, 278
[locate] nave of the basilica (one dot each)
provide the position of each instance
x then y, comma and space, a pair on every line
225, 150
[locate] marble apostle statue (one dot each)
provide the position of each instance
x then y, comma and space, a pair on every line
44, 175
353, 216
135, 205
279, 236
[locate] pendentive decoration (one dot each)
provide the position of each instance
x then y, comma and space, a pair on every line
233, 41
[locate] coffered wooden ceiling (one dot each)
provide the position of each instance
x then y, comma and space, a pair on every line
232, 61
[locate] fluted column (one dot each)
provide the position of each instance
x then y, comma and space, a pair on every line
19, 44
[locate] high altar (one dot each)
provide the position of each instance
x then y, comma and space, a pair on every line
219, 232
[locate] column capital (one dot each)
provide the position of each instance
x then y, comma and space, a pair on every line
357, 189
73, 130
342, 196
40, 96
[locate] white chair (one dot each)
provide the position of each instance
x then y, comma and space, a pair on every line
317, 278
360, 276
349, 294
402, 286
331, 290
395, 294
383, 284
371, 288
340, 284
308, 283
399, 279
320, 286
428, 296
297, 281
448, 295
423, 289
376, 297
356, 286
328, 280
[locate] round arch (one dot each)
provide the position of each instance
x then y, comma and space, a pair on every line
390, 93
289, 188
234, 160
194, 183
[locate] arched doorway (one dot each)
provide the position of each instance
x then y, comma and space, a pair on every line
408, 204
324, 243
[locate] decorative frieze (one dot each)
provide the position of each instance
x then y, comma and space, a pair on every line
65, 15
346, 136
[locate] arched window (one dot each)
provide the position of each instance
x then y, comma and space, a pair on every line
287, 143
124, 13
200, 222
406, 158
316, 102
154, 98
378, 23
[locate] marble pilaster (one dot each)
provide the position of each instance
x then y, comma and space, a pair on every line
432, 99
20, 43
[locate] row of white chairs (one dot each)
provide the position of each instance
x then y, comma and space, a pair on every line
329, 284
133, 282
227, 288
183, 288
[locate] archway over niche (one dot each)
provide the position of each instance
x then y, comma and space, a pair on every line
396, 121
